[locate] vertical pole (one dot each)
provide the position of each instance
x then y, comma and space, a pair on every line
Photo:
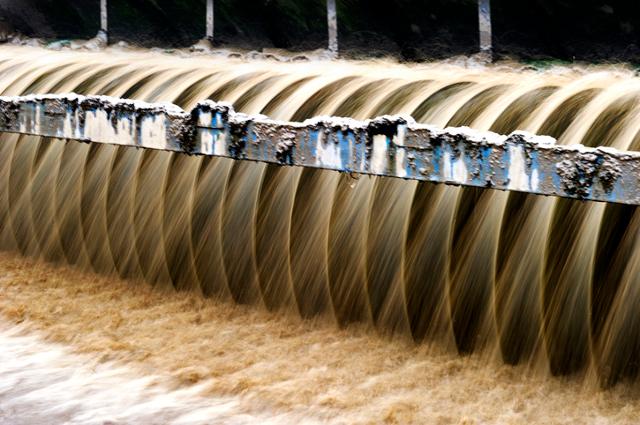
484, 11
332, 21
210, 20
104, 21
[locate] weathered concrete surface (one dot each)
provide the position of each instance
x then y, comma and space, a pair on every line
391, 146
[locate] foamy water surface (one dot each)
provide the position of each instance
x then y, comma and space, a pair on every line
42, 383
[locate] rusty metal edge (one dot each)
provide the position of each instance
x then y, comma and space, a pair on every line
392, 146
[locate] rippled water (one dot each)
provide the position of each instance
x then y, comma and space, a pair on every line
421, 272
43, 383
185, 355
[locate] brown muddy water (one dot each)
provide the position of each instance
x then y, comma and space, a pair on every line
42, 383
308, 295
77, 348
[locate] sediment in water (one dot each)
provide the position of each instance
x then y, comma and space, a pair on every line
515, 276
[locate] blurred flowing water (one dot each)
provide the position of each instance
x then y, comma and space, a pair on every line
546, 283
42, 383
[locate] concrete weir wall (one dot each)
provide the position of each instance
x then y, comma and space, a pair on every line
391, 146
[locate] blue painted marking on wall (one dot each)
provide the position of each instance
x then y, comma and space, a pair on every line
617, 192
216, 120
485, 153
437, 161
506, 164
344, 146
535, 166
313, 143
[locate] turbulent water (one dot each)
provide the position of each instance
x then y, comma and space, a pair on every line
44, 384
545, 282
140, 353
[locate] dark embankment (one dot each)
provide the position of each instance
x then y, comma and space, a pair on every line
415, 30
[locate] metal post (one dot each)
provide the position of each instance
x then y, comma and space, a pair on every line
104, 22
484, 11
209, 35
332, 21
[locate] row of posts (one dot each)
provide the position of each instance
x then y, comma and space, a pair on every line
484, 14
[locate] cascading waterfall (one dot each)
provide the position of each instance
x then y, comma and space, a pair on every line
539, 279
